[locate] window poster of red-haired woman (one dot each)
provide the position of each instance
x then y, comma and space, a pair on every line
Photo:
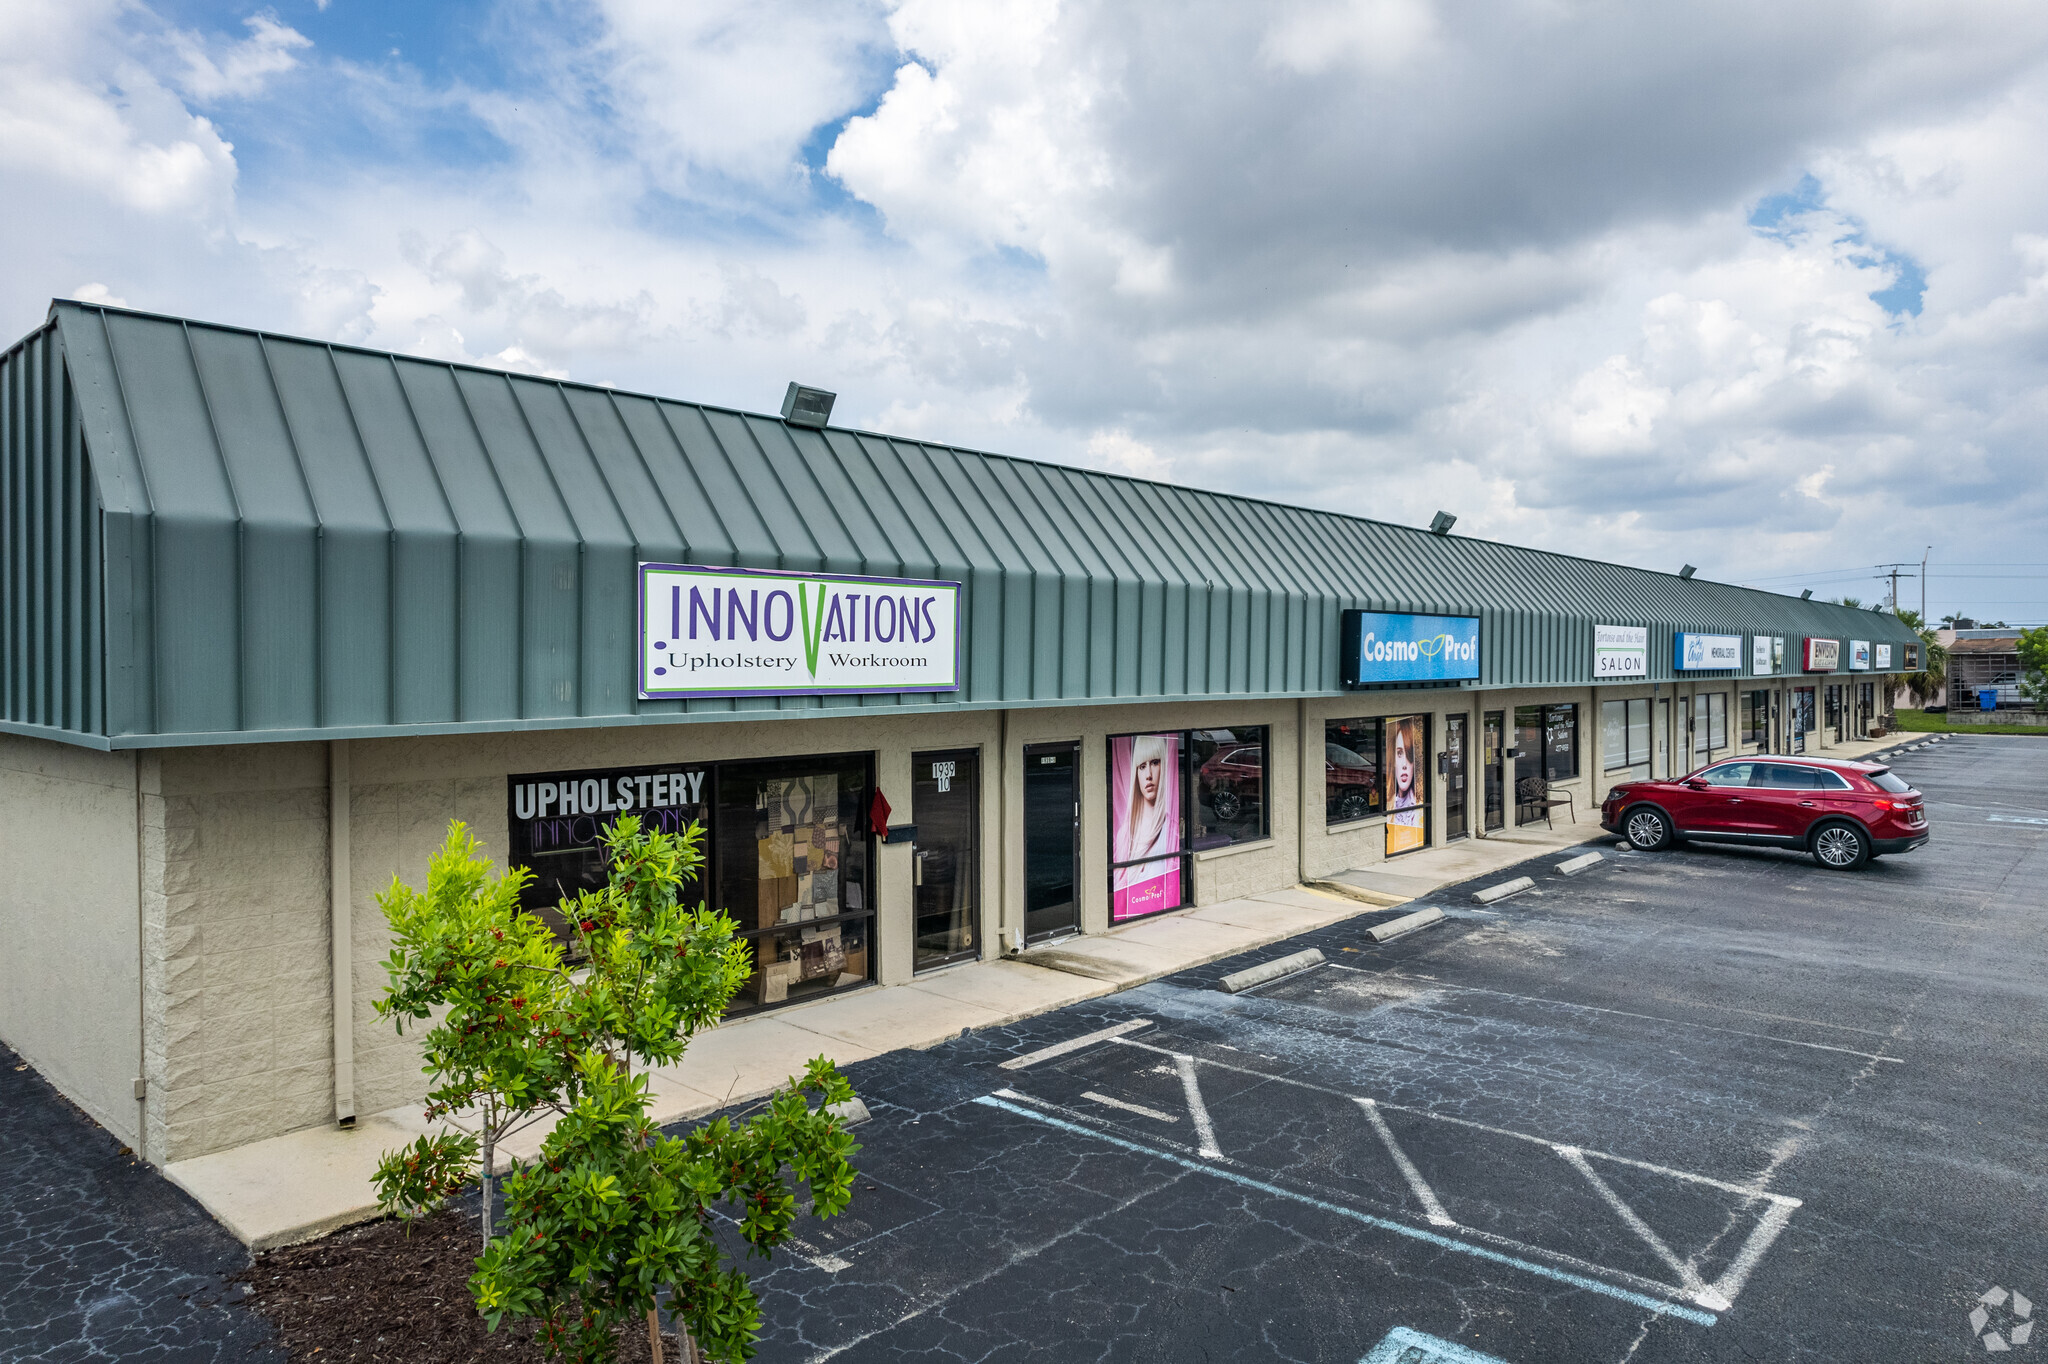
1407, 776
1145, 824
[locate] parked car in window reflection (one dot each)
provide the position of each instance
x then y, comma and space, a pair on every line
1352, 783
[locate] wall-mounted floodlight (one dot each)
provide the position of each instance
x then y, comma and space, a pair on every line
1687, 571
807, 406
1442, 524
1807, 595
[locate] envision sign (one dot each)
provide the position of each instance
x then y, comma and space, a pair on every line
1379, 646
735, 632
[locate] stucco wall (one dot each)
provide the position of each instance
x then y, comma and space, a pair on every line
69, 922
235, 901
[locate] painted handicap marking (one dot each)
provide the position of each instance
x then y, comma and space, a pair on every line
1646, 1233
1403, 1346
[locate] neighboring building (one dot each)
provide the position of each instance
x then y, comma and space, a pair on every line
273, 611
1981, 661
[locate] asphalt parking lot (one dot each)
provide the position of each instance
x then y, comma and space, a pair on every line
1711, 1104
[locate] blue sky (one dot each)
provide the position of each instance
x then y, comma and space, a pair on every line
1763, 289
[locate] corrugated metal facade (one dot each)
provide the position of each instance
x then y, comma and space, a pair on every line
306, 540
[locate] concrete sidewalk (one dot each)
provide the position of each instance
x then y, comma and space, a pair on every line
307, 1183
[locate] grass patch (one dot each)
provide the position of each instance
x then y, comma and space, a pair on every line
1920, 722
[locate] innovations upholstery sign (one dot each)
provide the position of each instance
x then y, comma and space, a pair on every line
1383, 647
1706, 653
737, 632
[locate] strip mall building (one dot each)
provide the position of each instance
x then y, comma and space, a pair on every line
275, 611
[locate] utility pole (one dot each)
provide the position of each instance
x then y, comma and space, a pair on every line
1894, 572
1923, 586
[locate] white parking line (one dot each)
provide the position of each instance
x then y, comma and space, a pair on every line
1092, 1097
1687, 1275
1431, 1208
1658, 1297
1205, 1131
1073, 1044
1624, 1013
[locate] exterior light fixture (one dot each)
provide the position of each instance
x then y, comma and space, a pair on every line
1687, 571
1442, 524
1807, 595
807, 406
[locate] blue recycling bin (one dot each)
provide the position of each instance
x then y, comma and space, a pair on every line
1987, 699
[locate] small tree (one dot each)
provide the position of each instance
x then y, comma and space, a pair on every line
465, 947
613, 1213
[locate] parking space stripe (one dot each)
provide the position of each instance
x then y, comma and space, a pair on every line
1624, 1013
1661, 1306
1092, 1097
1205, 1131
1431, 1207
1073, 1044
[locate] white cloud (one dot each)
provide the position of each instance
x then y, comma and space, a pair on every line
214, 69
1364, 254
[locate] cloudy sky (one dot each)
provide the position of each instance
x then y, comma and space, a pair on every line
1759, 287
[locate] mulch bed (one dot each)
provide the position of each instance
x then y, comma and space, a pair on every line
373, 1293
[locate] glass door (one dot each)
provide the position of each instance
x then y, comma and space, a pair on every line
946, 859
1454, 778
1052, 841
1495, 740
1661, 765
1529, 784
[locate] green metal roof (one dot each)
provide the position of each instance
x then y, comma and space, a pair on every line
217, 535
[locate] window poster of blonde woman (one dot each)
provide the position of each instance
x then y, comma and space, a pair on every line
1145, 824
1407, 783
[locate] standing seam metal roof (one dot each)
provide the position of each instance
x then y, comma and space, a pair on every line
220, 535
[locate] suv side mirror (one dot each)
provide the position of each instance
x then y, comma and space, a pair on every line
1697, 784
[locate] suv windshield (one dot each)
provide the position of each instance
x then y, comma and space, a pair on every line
1887, 782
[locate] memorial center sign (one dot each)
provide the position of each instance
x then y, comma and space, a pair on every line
738, 632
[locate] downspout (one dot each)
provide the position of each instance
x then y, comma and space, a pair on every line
341, 936
1009, 938
141, 981
1301, 790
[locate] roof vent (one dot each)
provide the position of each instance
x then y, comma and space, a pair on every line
1806, 595
1442, 524
1687, 571
807, 406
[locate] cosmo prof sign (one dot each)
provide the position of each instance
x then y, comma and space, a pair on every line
1380, 646
736, 632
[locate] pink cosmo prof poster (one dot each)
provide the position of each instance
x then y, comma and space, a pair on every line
1145, 823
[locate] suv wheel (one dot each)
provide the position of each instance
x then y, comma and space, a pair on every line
1840, 847
1648, 828
1225, 804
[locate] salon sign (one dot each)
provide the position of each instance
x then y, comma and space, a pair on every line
737, 632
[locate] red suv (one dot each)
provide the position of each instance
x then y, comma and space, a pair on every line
1843, 813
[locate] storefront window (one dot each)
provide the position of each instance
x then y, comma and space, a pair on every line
1351, 770
558, 819
792, 870
1147, 842
1625, 735
1546, 750
1407, 783
1755, 719
1561, 742
1709, 723
1230, 785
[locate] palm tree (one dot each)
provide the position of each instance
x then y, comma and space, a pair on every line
1933, 674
